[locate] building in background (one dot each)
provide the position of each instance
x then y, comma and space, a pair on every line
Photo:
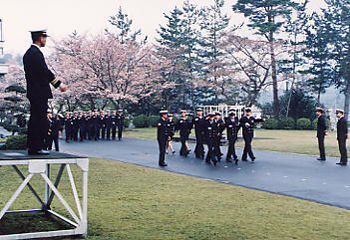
3, 66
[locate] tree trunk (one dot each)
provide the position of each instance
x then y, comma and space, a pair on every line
276, 104
347, 98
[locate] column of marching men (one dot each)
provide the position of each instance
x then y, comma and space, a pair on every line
82, 126
208, 130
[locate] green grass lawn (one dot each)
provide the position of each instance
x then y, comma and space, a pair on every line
294, 141
133, 202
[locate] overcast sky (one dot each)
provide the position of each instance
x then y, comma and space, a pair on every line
62, 17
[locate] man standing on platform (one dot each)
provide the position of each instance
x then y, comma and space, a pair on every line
162, 136
321, 133
38, 77
199, 126
342, 136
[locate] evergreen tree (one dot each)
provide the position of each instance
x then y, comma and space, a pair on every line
178, 42
214, 24
123, 24
318, 55
267, 17
337, 24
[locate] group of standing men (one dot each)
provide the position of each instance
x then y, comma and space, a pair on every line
94, 125
208, 129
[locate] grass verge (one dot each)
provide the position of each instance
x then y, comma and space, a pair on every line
132, 202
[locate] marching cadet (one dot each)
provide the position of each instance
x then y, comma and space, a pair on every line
85, 125
114, 124
171, 134
68, 126
212, 132
342, 136
232, 126
321, 133
184, 126
221, 127
247, 123
163, 127
199, 126
120, 123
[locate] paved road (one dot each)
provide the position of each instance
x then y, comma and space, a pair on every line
295, 175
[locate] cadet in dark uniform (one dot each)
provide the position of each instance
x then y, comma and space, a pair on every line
221, 127
75, 126
162, 136
321, 133
114, 124
38, 78
55, 127
199, 126
81, 126
247, 123
184, 126
232, 126
89, 125
342, 136
109, 121
95, 125
103, 125
171, 130
120, 123
212, 132
68, 126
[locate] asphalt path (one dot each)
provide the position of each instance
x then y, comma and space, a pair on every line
295, 175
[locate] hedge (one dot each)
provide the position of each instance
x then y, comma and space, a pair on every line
140, 121
152, 121
287, 123
303, 123
270, 123
18, 142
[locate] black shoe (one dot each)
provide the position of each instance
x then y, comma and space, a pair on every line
236, 161
40, 152
244, 159
207, 161
162, 165
321, 159
174, 152
228, 160
214, 162
341, 163
253, 159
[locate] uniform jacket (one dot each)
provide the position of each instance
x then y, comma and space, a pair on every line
342, 129
248, 125
184, 126
163, 127
199, 125
38, 75
212, 129
321, 126
232, 127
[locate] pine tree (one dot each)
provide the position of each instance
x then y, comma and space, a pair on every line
214, 24
337, 24
318, 55
267, 18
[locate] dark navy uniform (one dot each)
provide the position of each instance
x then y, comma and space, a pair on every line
221, 128
112, 126
120, 124
212, 132
38, 78
82, 127
184, 126
68, 127
321, 133
163, 134
103, 126
248, 124
94, 127
199, 126
232, 127
55, 126
342, 136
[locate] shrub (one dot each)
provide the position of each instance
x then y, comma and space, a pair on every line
152, 121
140, 121
16, 142
303, 123
270, 123
127, 122
287, 123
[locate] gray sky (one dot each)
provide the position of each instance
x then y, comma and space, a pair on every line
62, 17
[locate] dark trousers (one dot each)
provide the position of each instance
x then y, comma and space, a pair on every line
162, 147
108, 133
217, 147
211, 150
231, 152
75, 133
68, 133
103, 132
247, 148
82, 134
343, 150
321, 147
199, 150
52, 139
120, 132
37, 125
183, 150
114, 132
